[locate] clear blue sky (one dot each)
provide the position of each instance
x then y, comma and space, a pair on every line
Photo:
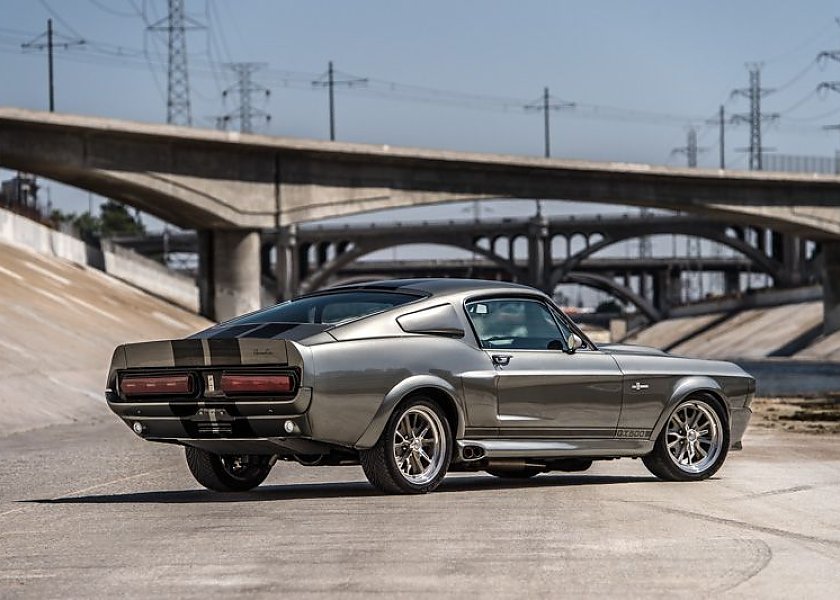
663, 57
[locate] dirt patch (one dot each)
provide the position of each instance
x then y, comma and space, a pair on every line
801, 415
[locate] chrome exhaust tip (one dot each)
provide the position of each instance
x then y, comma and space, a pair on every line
472, 453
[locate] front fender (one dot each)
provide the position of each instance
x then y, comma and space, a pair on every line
684, 388
400, 391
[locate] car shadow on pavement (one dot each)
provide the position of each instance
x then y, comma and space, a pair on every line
354, 489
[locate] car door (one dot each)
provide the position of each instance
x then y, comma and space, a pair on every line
542, 389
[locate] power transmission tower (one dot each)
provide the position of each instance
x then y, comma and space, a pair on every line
49, 41
690, 149
755, 117
176, 24
329, 81
244, 88
546, 105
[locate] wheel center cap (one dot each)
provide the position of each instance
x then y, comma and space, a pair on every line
415, 445
692, 435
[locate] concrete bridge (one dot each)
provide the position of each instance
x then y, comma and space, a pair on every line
611, 275
230, 186
323, 254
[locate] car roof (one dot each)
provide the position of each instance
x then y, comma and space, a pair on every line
434, 286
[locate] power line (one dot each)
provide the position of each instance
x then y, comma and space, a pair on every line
111, 11
60, 21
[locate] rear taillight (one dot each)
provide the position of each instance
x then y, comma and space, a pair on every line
156, 385
234, 384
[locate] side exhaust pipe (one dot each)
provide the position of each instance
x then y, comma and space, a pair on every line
469, 453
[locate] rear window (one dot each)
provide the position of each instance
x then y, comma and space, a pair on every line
329, 308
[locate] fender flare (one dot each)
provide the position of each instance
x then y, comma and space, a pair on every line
395, 396
686, 386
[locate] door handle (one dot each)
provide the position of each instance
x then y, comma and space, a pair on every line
501, 360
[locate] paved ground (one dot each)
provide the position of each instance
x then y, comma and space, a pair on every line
88, 510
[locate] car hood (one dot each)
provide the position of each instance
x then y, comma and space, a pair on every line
632, 350
295, 332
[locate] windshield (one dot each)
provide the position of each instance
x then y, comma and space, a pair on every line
327, 308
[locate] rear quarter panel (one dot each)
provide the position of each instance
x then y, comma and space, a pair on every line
352, 379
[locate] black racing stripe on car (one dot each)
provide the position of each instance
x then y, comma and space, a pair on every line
224, 351
270, 330
555, 432
233, 331
187, 353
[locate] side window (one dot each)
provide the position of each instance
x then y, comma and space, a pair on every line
515, 324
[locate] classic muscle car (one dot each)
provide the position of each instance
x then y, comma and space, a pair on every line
416, 378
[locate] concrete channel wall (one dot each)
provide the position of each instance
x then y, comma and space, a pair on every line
787, 377
118, 262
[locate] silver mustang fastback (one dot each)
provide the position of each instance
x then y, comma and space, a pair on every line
415, 378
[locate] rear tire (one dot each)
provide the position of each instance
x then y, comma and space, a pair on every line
226, 473
412, 455
693, 442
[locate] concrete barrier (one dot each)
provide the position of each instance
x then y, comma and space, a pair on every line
150, 276
124, 264
20, 231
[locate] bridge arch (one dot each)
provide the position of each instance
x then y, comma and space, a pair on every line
615, 289
318, 278
763, 262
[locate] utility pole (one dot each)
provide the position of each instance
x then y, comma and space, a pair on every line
833, 86
47, 41
330, 83
545, 105
690, 149
245, 88
176, 24
755, 117
721, 123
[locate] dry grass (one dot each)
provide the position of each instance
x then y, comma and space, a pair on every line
801, 415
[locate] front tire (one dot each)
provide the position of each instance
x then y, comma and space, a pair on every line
412, 455
226, 473
693, 443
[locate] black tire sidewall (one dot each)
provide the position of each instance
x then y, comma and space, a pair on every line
663, 457
390, 459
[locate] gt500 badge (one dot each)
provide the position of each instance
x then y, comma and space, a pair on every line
632, 433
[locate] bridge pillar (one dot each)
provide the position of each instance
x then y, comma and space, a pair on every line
731, 282
831, 286
537, 239
287, 271
666, 290
229, 272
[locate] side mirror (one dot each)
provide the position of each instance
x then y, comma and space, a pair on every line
574, 343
